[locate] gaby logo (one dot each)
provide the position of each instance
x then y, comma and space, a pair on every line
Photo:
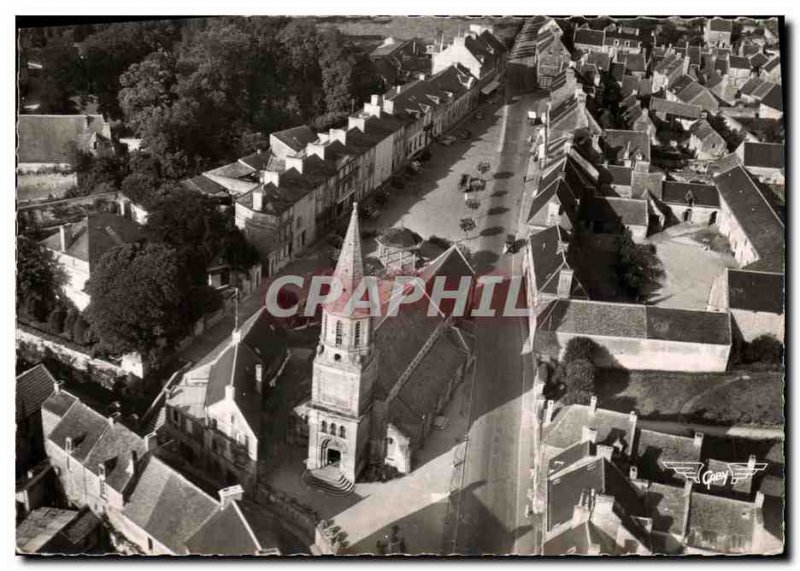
736, 472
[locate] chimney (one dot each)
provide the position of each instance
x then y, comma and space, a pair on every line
258, 199
588, 434
580, 514
65, 233
112, 418
316, 149
259, 377
338, 135
564, 283
604, 451
375, 100
698, 440
633, 474
359, 123
603, 504
230, 494
57, 386
759, 500
580, 95
592, 404
271, 177
130, 468
548, 412
150, 442
68, 445
388, 106
101, 470
632, 437
295, 163
229, 392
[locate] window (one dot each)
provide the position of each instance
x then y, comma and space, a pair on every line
149, 544
357, 336
341, 432
338, 333
299, 221
333, 428
324, 426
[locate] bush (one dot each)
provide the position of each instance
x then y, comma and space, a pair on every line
55, 322
580, 348
579, 376
763, 349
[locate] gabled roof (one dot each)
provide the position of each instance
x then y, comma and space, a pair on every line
738, 62
626, 211
48, 138
677, 108
754, 214
548, 250
751, 85
617, 142
720, 518
34, 386
589, 37
171, 509
567, 427
205, 185
296, 138
95, 235
772, 64
756, 291
653, 448
720, 25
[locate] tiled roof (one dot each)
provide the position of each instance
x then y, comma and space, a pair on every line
205, 185
754, 214
168, 507
721, 25
617, 141
34, 386
226, 532
451, 264
59, 403
589, 37
756, 291
626, 211
677, 108
688, 326
720, 518
703, 194
738, 62
765, 155
41, 526
613, 428
667, 505
589, 318
772, 64
751, 85
653, 448
296, 138
48, 138
95, 235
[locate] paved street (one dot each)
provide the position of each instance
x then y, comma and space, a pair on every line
492, 517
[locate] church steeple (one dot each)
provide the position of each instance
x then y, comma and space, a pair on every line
350, 267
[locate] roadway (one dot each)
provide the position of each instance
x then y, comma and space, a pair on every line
492, 518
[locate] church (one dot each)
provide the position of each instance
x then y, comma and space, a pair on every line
380, 382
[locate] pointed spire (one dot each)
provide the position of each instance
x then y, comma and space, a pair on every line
350, 267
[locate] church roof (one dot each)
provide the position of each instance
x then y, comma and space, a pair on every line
349, 269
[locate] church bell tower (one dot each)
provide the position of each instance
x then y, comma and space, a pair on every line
345, 368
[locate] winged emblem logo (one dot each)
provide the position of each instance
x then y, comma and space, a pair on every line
694, 472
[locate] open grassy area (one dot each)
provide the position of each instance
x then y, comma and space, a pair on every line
739, 397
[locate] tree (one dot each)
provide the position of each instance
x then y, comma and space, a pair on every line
637, 267
579, 348
80, 331
69, 321
39, 279
55, 321
764, 349
140, 298
467, 225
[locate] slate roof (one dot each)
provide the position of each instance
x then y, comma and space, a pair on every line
751, 85
688, 326
756, 291
754, 214
451, 264
95, 235
34, 386
549, 260
205, 185
59, 403
774, 98
738, 62
674, 192
764, 155
653, 448
48, 138
772, 64
589, 37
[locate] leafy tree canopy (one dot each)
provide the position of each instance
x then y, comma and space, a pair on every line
39, 279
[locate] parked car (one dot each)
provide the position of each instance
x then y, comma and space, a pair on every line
463, 183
